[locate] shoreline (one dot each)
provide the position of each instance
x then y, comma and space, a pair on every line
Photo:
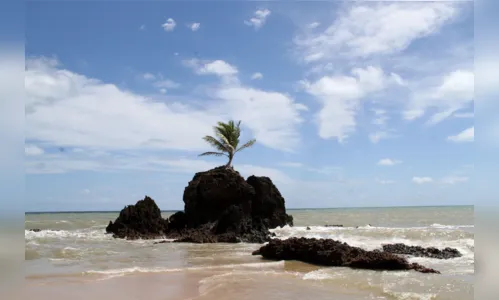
189, 285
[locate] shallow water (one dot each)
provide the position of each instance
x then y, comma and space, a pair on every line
76, 252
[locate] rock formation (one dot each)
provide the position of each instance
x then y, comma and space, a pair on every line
220, 206
142, 220
419, 251
329, 252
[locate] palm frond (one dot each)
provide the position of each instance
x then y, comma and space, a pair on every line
247, 145
220, 146
228, 132
213, 153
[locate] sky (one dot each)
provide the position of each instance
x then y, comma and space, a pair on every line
352, 104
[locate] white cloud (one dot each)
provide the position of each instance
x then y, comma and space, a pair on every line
341, 98
277, 176
214, 67
381, 117
385, 181
102, 162
379, 135
454, 92
422, 180
388, 162
85, 191
67, 109
70, 110
273, 117
454, 179
469, 115
399, 80
166, 83
367, 29
259, 18
162, 91
32, 150
169, 25
256, 75
313, 25
148, 76
195, 26
467, 135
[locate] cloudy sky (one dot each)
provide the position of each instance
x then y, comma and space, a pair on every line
352, 104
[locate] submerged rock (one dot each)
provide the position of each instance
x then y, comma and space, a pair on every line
220, 206
328, 252
35, 230
335, 225
419, 251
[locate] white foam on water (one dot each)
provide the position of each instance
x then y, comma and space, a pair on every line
131, 270
67, 234
322, 274
412, 296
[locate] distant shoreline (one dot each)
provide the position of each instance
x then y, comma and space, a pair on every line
290, 209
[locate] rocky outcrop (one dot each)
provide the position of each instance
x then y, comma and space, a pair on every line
333, 253
419, 251
220, 206
142, 220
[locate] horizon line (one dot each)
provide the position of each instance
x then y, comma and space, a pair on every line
305, 208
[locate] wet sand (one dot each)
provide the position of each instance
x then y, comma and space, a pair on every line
187, 286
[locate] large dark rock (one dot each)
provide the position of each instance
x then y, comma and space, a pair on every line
142, 220
329, 252
419, 251
268, 203
220, 206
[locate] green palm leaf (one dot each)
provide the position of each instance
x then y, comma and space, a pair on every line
216, 143
247, 145
227, 140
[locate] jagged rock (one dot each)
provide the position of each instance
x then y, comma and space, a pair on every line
308, 228
419, 251
220, 206
268, 203
329, 252
140, 221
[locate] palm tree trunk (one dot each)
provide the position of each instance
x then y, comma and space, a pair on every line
229, 164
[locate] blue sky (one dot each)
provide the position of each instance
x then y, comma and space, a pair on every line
352, 104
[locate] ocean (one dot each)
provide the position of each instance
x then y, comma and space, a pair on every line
73, 258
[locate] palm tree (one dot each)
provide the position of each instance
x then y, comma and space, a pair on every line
227, 142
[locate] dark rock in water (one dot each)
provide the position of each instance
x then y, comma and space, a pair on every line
140, 221
35, 230
329, 252
220, 206
333, 225
419, 251
308, 228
